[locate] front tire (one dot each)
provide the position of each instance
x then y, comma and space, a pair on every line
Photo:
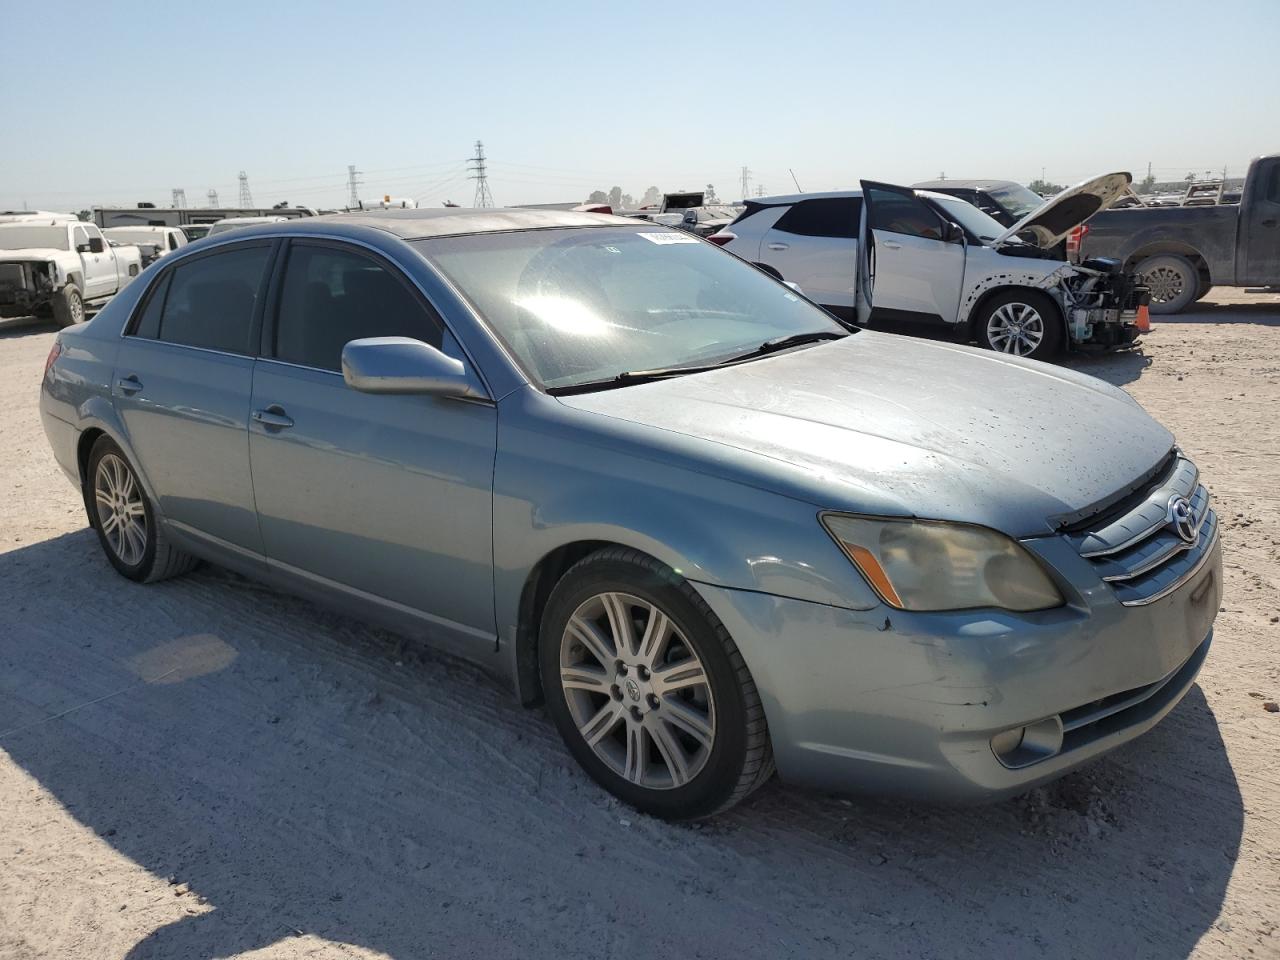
68, 306
648, 690
1174, 282
1023, 323
121, 514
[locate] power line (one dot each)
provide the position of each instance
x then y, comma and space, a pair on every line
483, 197
246, 198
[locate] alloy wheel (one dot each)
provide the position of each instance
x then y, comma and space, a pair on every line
637, 691
1015, 328
1165, 283
77, 309
121, 513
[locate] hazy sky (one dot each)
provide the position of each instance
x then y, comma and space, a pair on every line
115, 102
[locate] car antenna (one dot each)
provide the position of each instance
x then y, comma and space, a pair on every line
794, 180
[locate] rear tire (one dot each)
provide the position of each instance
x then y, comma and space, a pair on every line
1173, 280
68, 306
683, 740
1021, 323
120, 512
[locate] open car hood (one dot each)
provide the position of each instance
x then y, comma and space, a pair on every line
1050, 222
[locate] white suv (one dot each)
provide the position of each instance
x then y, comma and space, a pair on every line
934, 264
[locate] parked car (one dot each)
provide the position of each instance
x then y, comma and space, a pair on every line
636, 478
195, 231
939, 265
236, 223
58, 266
1183, 251
1004, 201
154, 242
709, 219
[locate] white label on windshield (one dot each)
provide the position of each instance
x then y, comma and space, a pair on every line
669, 237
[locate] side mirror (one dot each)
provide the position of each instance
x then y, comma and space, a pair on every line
95, 245
952, 232
403, 365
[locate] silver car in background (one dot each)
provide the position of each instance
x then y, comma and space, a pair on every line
636, 478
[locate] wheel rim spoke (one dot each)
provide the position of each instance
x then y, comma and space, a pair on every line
600, 724
672, 752
585, 677
591, 637
680, 676
620, 625
692, 722
656, 632
637, 753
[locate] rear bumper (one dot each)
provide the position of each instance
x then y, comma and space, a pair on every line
895, 703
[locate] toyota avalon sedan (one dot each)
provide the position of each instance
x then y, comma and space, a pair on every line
643, 482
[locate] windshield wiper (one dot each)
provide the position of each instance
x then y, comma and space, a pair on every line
628, 377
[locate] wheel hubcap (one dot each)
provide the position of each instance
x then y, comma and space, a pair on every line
121, 514
1165, 284
1015, 328
637, 691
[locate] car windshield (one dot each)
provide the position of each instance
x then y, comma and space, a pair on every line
970, 217
21, 236
581, 305
1015, 199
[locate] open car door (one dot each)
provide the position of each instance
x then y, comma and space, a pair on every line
865, 265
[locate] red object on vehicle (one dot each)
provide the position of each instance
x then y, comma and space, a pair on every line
723, 237
53, 355
1144, 319
1074, 239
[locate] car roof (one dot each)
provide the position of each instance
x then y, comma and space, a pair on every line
963, 184
784, 198
454, 221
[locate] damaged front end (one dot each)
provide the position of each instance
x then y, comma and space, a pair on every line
1103, 304
27, 287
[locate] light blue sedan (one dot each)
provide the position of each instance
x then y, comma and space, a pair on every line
638, 479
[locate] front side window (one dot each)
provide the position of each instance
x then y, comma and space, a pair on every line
978, 223
210, 302
332, 296
826, 217
81, 237
581, 305
903, 213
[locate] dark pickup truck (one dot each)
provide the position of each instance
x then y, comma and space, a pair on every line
1182, 251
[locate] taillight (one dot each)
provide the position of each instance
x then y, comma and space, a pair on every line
1075, 238
723, 237
53, 355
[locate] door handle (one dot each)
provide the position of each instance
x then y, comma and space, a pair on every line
129, 385
890, 245
779, 246
273, 418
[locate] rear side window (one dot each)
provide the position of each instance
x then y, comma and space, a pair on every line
828, 217
331, 296
148, 324
902, 213
1273, 185
210, 302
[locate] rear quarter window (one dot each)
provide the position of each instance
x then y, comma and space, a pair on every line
827, 217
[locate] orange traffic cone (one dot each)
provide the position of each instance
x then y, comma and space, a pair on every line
1144, 319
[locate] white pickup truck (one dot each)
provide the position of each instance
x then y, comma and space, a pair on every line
55, 265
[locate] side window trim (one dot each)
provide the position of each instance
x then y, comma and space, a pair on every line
271, 304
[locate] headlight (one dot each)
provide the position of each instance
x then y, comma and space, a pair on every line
929, 565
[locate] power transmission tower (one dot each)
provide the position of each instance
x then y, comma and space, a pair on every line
213, 199
746, 182
759, 189
476, 165
179, 198
353, 181
246, 198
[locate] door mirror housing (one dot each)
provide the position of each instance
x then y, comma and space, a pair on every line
95, 245
404, 365
952, 232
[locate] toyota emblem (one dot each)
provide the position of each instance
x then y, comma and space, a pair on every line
1181, 519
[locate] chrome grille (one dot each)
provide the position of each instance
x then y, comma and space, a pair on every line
1140, 553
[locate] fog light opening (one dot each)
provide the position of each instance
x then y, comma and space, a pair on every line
1023, 746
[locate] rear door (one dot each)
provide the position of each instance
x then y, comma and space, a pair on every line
1260, 226
918, 275
384, 499
182, 387
814, 244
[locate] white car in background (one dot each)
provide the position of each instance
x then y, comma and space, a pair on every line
235, 223
934, 264
154, 242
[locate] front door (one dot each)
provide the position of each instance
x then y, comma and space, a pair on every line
182, 386
99, 267
918, 275
1260, 226
387, 499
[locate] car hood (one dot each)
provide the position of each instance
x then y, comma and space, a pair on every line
1050, 222
884, 424
29, 254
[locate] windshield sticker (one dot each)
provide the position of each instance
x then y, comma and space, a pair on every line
669, 237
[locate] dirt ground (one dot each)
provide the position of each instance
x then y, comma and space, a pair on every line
205, 768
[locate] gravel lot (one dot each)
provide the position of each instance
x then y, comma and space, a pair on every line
205, 768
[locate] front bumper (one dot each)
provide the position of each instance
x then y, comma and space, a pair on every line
890, 702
